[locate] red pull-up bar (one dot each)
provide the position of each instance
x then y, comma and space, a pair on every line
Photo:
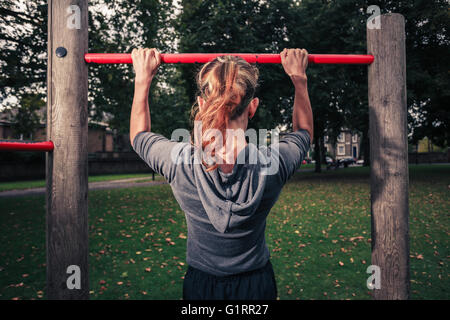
250, 57
8, 145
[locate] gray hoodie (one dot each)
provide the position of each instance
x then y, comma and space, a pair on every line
225, 212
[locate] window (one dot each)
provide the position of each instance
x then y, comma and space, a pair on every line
355, 138
340, 150
341, 137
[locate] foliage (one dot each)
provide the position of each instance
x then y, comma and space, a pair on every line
338, 93
126, 26
23, 43
26, 119
115, 26
427, 45
240, 26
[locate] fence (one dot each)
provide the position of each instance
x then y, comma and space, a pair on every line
429, 157
99, 163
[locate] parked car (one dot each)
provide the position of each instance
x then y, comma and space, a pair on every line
347, 161
329, 160
360, 162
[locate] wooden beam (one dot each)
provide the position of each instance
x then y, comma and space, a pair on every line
67, 127
389, 157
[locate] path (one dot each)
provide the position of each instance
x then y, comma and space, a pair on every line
100, 185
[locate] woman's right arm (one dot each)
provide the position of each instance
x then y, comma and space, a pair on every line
295, 62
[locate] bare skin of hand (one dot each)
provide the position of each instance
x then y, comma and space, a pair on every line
145, 63
295, 63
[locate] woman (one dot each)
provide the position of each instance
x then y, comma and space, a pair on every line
225, 196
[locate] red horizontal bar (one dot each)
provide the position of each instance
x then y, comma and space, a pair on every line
250, 57
11, 145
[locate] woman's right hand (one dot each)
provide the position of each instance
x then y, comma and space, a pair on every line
145, 63
295, 62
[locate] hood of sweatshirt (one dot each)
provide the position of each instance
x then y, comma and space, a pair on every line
231, 199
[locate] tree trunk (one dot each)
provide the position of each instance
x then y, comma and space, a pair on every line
366, 146
317, 154
323, 151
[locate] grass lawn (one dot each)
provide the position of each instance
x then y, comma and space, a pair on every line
20, 185
318, 234
309, 166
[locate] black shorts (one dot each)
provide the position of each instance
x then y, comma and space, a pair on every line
258, 284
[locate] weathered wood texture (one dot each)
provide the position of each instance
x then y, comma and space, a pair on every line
67, 185
389, 156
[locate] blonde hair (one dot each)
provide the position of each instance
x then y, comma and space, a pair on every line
227, 84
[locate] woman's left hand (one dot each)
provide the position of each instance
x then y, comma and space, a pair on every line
145, 63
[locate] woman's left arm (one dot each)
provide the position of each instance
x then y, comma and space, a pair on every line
145, 64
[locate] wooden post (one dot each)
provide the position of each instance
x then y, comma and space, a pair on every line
67, 127
389, 157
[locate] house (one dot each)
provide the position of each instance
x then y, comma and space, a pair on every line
426, 145
100, 137
348, 145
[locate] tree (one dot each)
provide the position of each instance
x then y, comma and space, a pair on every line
144, 23
253, 26
338, 93
23, 44
235, 26
26, 119
115, 26
427, 43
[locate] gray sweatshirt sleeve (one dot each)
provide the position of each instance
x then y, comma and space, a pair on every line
156, 151
293, 147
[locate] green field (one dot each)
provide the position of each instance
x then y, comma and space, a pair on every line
318, 234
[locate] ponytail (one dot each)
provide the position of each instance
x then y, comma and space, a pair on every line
227, 84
